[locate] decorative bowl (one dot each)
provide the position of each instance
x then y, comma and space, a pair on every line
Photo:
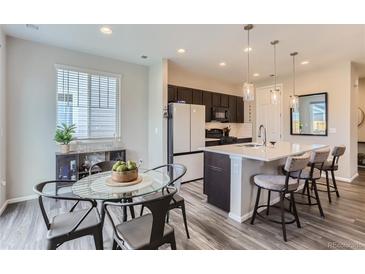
125, 176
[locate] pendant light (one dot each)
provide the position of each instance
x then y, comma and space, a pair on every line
248, 87
294, 100
275, 93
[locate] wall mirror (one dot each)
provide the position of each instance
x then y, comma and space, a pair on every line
311, 116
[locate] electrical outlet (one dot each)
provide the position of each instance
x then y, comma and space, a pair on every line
3, 183
140, 162
332, 130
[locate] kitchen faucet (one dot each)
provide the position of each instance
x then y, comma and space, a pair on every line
259, 135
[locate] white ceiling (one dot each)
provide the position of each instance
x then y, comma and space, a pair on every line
208, 45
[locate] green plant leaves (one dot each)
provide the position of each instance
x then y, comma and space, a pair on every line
64, 133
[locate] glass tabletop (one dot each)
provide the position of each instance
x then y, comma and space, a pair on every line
96, 186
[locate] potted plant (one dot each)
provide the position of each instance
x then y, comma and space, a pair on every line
64, 135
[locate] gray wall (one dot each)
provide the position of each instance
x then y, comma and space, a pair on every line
31, 114
2, 117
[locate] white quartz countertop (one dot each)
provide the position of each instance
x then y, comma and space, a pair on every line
279, 151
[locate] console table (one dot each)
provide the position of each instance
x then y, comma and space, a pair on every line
75, 164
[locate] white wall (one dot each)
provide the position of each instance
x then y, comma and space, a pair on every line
180, 77
157, 125
31, 113
2, 117
336, 80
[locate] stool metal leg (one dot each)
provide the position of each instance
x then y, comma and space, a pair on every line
334, 183
317, 198
328, 187
282, 196
256, 205
268, 202
308, 192
292, 202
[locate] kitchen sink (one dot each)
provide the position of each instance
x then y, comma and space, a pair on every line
250, 145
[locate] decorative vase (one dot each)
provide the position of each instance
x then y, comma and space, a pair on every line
65, 148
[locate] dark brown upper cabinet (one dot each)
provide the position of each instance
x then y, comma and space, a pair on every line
185, 94
197, 97
207, 102
232, 105
240, 110
216, 99
224, 100
172, 94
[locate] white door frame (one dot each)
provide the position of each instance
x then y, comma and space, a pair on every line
281, 107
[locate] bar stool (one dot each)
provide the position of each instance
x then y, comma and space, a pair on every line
311, 174
283, 184
332, 166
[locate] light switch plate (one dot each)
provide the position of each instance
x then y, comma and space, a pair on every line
332, 130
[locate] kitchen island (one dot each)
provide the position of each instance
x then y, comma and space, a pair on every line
229, 171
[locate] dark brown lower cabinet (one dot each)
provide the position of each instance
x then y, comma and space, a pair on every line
217, 179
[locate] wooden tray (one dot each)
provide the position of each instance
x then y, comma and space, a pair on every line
109, 182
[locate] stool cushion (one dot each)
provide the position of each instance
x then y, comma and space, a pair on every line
275, 182
306, 174
328, 166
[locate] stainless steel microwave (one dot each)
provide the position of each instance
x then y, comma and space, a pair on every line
220, 114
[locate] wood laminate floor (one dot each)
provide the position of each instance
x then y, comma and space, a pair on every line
22, 226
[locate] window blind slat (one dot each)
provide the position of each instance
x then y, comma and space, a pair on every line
89, 101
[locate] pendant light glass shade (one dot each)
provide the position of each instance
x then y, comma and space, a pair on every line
294, 100
275, 92
294, 103
248, 89
274, 96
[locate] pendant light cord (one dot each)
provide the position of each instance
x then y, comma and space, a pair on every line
294, 75
275, 66
248, 56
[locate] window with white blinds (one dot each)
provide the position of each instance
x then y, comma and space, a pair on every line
90, 100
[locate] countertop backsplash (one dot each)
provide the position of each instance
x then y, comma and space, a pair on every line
240, 130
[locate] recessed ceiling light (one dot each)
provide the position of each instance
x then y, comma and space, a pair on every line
181, 50
32, 26
305, 62
248, 49
256, 75
106, 30
222, 64
144, 56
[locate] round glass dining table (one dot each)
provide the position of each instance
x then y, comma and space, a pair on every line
95, 186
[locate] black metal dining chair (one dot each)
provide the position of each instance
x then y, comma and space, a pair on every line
149, 231
73, 224
107, 166
101, 167
176, 172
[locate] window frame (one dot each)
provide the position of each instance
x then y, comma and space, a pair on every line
119, 101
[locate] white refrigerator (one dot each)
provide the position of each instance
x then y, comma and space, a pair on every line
186, 134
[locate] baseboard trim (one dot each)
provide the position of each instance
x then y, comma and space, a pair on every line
343, 179
2, 209
248, 215
22, 199
16, 200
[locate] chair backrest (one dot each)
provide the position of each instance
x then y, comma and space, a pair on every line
338, 151
174, 171
158, 203
101, 167
159, 206
296, 163
319, 156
